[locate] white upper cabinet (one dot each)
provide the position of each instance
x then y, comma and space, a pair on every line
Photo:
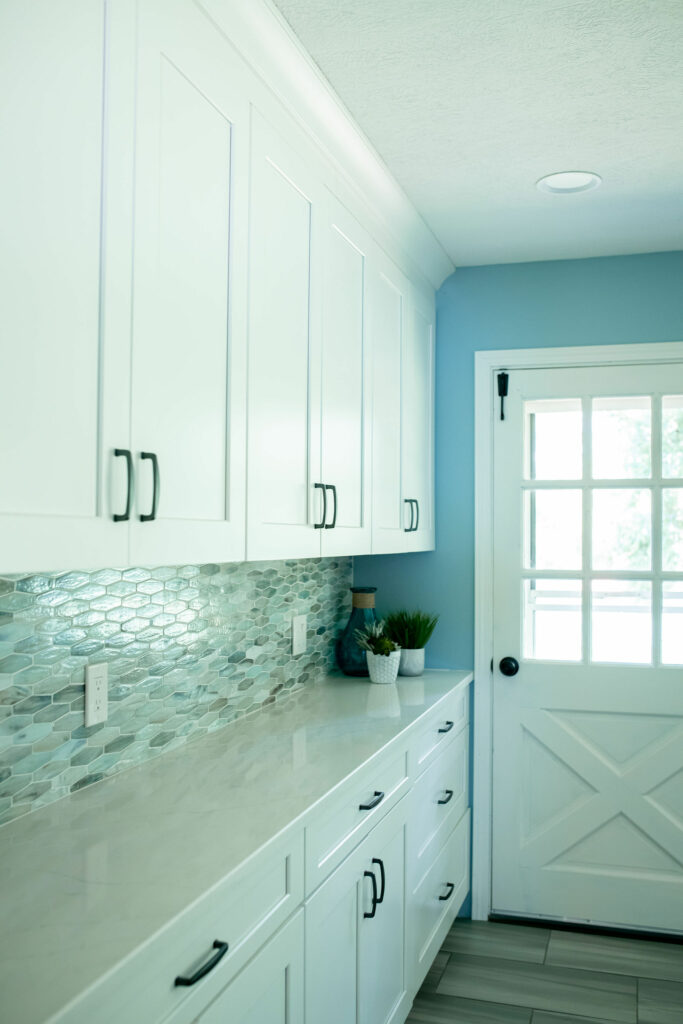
188, 367
58, 423
417, 427
195, 301
285, 261
403, 414
346, 395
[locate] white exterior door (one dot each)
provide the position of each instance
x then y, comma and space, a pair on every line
284, 351
189, 313
59, 425
346, 393
588, 598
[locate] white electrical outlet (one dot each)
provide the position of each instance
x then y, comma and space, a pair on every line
96, 694
299, 634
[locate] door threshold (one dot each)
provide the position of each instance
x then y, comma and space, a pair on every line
588, 927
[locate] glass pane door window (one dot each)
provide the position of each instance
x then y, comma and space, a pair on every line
602, 552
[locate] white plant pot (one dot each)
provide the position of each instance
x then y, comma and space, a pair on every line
383, 668
412, 661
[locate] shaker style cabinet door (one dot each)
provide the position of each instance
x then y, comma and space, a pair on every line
189, 326
270, 988
355, 964
59, 424
417, 431
346, 394
285, 260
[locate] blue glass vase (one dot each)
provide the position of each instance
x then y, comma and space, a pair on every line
350, 657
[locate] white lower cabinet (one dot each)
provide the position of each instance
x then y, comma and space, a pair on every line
355, 966
270, 990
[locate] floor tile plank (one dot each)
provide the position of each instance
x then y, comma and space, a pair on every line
585, 993
435, 971
504, 941
546, 1017
660, 1002
634, 957
439, 1009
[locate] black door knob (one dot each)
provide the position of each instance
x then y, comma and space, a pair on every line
509, 666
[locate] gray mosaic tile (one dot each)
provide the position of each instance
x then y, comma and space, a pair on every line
189, 649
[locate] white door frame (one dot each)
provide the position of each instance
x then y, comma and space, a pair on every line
486, 365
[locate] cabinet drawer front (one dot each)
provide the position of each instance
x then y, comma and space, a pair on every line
437, 899
438, 802
441, 727
243, 910
339, 824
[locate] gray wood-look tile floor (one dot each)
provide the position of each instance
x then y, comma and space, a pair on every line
490, 973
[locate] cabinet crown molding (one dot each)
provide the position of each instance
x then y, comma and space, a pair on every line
265, 40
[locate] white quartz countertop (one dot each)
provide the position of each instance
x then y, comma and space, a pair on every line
88, 879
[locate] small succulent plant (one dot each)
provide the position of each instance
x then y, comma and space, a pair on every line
374, 640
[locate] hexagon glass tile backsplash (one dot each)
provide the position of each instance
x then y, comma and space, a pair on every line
189, 649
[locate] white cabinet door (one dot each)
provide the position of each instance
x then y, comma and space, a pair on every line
188, 407
417, 431
355, 970
58, 424
284, 351
346, 393
388, 310
270, 989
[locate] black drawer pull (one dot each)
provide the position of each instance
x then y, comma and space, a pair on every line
127, 455
382, 876
201, 972
155, 486
417, 515
447, 727
321, 524
375, 901
447, 798
409, 529
331, 487
377, 799
450, 887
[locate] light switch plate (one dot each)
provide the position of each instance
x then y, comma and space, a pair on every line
299, 634
96, 694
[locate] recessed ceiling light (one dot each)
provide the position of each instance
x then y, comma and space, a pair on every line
565, 182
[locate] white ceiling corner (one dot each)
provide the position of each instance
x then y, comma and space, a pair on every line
469, 102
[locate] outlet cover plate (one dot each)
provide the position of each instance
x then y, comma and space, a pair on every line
96, 694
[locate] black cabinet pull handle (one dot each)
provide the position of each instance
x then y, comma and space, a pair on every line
447, 727
127, 455
382, 878
377, 799
201, 972
409, 529
417, 515
321, 524
448, 797
449, 891
155, 484
331, 487
375, 901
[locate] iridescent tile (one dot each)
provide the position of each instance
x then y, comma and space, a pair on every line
15, 602
105, 577
136, 575
103, 631
121, 589
150, 587
90, 591
86, 648
34, 584
135, 601
70, 636
53, 598
72, 580
120, 614
14, 663
105, 603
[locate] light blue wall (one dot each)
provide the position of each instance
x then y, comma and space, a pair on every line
614, 300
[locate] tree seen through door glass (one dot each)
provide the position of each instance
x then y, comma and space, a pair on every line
621, 431
672, 436
672, 529
622, 528
553, 529
553, 439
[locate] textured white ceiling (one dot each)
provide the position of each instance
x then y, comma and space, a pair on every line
469, 102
